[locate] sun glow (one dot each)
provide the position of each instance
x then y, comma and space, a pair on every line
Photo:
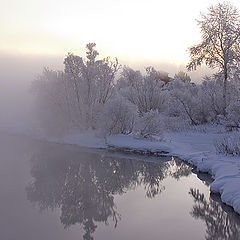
137, 30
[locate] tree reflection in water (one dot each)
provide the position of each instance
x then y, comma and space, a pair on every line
83, 185
220, 225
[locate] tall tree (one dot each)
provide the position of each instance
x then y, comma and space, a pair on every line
92, 81
220, 46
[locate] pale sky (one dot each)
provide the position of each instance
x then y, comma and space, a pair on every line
149, 30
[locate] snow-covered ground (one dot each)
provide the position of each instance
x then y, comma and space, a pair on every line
195, 147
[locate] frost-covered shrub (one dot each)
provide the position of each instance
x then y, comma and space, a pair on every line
144, 91
233, 114
149, 124
186, 102
212, 96
228, 145
72, 99
118, 116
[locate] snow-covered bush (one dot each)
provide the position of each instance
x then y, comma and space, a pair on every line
73, 98
118, 116
149, 124
91, 81
145, 91
233, 114
213, 96
228, 145
186, 102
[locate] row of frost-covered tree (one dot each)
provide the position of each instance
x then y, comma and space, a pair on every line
100, 94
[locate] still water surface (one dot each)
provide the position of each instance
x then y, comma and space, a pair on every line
57, 192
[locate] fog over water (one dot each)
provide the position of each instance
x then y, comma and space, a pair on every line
16, 74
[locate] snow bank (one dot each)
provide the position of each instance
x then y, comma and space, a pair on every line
198, 149
194, 147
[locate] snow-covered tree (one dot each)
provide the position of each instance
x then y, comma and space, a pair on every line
233, 114
220, 46
149, 124
92, 81
76, 96
145, 91
185, 102
211, 94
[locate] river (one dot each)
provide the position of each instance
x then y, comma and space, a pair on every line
58, 192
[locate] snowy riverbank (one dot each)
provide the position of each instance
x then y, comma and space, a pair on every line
196, 147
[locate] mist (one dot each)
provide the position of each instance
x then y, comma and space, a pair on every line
16, 99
